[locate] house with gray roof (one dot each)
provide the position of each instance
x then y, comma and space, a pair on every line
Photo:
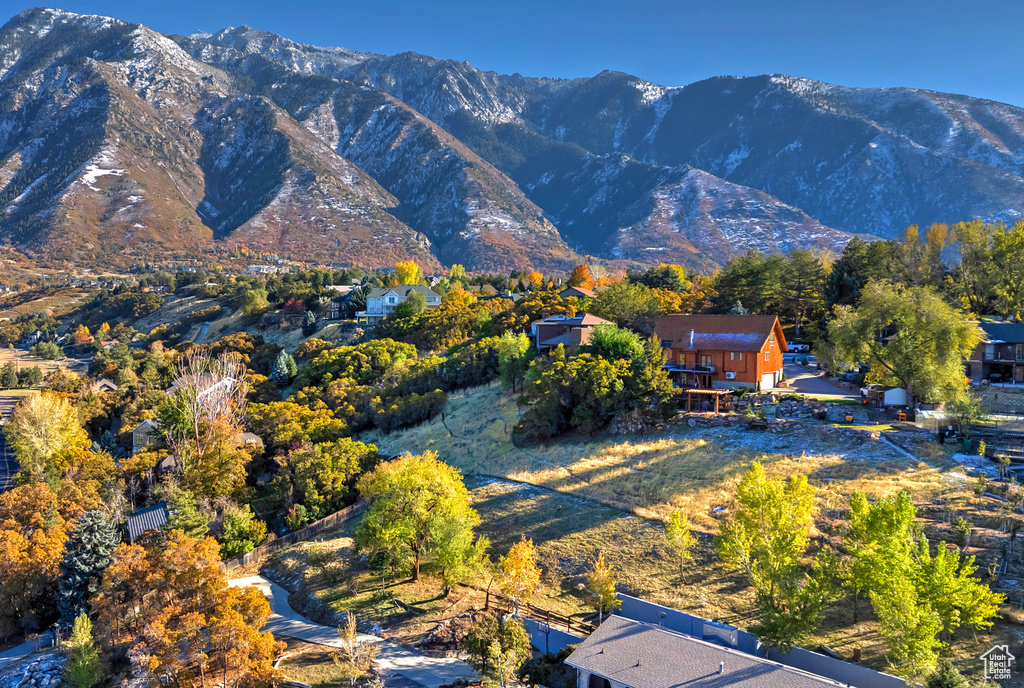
1000, 356
623, 653
382, 302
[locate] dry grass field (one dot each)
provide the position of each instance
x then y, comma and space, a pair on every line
611, 494
694, 470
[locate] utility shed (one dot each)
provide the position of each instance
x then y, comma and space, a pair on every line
623, 653
152, 518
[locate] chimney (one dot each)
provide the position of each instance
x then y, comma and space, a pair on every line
691, 339
721, 667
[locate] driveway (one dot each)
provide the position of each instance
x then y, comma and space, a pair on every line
806, 381
430, 672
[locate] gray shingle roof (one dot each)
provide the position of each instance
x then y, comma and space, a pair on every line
639, 655
1011, 333
402, 290
151, 518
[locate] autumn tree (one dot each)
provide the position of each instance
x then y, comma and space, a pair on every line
87, 555
632, 306
915, 594
767, 539
354, 657
518, 573
44, 432
33, 529
84, 668
679, 539
497, 646
581, 277
1008, 265
324, 475
972, 277
535, 279
513, 359
909, 336
254, 302
408, 272
457, 273
171, 599
601, 586
201, 422
411, 499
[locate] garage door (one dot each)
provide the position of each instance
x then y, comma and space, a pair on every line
767, 381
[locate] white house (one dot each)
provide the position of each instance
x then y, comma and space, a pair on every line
382, 302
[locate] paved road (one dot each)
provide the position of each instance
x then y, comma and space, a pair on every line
203, 329
18, 651
430, 672
8, 464
806, 381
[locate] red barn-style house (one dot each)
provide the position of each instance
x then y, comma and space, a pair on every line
723, 351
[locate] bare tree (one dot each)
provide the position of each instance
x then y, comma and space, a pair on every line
207, 395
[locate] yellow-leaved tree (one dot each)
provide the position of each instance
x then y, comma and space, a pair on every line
518, 574
45, 433
408, 272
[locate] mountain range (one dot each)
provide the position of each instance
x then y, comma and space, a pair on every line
120, 145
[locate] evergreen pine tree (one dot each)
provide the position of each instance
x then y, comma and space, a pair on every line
84, 669
293, 369
9, 376
86, 557
309, 324
279, 373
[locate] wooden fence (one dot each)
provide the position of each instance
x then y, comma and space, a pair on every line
307, 533
552, 619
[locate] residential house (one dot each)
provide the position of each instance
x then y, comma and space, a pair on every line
381, 302
561, 329
342, 294
152, 518
144, 434
507, 296
101, 386
623, 653
723, 351
577, 292
1000, 356
31, 339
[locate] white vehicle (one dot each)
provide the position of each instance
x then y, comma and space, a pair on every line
799, 348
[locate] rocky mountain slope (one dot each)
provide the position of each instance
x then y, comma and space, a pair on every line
118, 141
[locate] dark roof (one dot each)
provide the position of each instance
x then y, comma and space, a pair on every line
641, 655
717, 332
1011, 333
152, 518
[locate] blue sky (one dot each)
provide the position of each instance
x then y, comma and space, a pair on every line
964, 47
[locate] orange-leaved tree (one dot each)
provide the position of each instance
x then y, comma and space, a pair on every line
581, 277
169, 597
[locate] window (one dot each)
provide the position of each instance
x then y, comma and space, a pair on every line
391, 299
1020, 352
735, 355
705, 360
990, 351
766, 355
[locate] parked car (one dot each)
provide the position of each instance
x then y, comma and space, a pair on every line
799, 348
